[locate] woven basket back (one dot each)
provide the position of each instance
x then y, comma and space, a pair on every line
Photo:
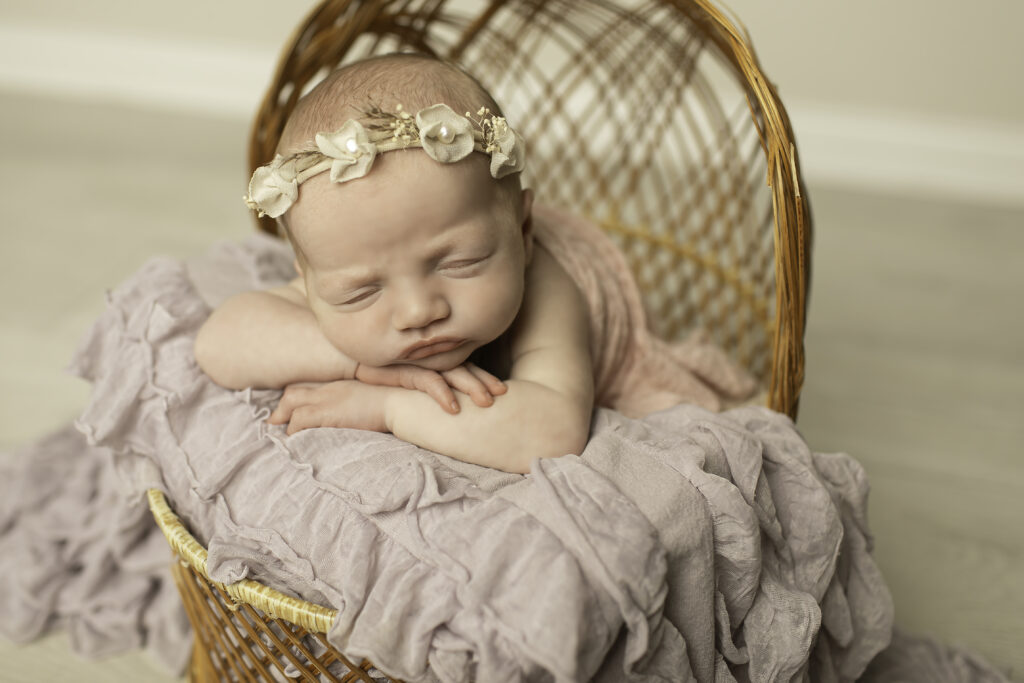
652, 119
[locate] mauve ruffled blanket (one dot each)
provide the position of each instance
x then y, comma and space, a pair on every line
687, 545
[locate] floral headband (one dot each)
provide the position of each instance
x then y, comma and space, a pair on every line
349, 152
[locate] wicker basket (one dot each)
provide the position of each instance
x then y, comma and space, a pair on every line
707, 204
247, 631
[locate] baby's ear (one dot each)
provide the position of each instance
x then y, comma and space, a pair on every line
527, 225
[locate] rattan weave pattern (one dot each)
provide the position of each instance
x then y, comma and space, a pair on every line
247, 631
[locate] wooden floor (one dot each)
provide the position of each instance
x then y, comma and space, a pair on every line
916, 367
915, 346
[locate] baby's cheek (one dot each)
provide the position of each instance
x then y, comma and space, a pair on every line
502, 302
361, 338
336, 331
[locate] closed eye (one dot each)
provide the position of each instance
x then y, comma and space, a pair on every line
358, 298
463, 264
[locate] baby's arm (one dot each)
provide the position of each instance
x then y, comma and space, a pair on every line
271, 340
544, 413
268, 339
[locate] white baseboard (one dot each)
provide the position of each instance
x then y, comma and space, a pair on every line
897, 152
877, 150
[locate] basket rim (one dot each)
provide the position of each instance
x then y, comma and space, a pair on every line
310, 616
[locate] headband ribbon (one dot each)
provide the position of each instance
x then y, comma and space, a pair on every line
348, 153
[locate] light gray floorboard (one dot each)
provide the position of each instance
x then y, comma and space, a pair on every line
916, 367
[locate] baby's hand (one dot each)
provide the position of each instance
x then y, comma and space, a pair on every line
344, 403
480, 385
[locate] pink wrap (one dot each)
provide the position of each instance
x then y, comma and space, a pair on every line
635, 372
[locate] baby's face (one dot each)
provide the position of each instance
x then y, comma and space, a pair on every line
417, 262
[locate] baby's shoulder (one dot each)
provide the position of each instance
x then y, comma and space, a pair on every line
544, 269
550, 285
554, 310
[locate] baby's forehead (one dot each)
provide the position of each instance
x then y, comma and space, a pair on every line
398, 173
405, 187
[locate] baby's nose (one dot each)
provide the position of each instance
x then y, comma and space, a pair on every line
420, 307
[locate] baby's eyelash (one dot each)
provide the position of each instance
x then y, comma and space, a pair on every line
362, 296
464, 263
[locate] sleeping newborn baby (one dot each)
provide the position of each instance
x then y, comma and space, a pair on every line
423, 305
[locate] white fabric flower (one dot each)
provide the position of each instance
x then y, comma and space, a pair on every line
446, 137
351, 149
509, 153
349, 152
273, 188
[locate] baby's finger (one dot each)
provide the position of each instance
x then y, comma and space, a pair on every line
294, 396
285, 407
304, 417
369, 374
466, 382
493, 384
434, 386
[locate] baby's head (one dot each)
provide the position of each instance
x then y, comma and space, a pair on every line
409, 223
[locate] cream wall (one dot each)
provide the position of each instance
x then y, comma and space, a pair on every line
913, 97
938, 59
909, 97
